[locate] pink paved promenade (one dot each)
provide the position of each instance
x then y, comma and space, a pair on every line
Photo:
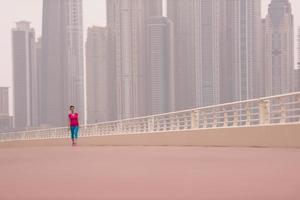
154, 173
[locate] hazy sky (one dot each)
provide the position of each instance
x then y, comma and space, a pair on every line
94, 13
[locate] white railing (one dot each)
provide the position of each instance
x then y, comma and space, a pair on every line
281, 109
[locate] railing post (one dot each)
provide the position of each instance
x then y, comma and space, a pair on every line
135, 126
248, 115
204, 119
145, 125
264, 112
174, 122
93, 130
282, 112
171, 122
235, 118
215, 120
186, 122
165, 123
142, 126
96, 131
225, 122
53, 134
120, 127
138, 126
150, 124
194, 119
23, 136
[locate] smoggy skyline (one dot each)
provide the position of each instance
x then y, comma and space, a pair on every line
94, 13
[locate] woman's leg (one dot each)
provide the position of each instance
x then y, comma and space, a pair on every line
76, 129
73, 134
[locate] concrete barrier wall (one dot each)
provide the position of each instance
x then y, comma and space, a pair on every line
287, 135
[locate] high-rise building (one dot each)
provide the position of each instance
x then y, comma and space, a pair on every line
298, 42
25, 76
62, 61
6, 123
241, 60
4, 101
297, 79
127, 36
5, 118
38, 51
197, 33
217, 51
279, 48
100, 90
160, 66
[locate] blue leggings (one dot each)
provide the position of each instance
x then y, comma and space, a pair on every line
74, 132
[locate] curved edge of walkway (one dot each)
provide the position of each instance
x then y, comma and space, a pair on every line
286, 136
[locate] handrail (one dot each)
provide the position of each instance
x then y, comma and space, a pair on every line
279, 109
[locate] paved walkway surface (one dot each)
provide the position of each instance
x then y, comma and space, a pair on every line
154, 173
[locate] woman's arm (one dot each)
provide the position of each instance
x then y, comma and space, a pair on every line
78, 120
69, 124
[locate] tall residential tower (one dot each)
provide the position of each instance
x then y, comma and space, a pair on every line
127, 21
197, 34
100, 87
297, 72
62, 61
241, 60
25, 76
160, 66
279, 48
217, 51
298, 48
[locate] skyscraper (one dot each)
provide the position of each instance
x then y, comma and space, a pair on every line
279, 48
127, 36
241, 60
62, 61
297, 80
4, 99
197, 26
218, 51
100, 90
25, 76
160, 66
298, 48
297, 74
38, 52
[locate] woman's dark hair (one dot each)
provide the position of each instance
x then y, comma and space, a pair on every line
72, 107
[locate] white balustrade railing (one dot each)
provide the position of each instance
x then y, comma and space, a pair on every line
281, 109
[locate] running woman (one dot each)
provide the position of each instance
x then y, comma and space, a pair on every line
74, 125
